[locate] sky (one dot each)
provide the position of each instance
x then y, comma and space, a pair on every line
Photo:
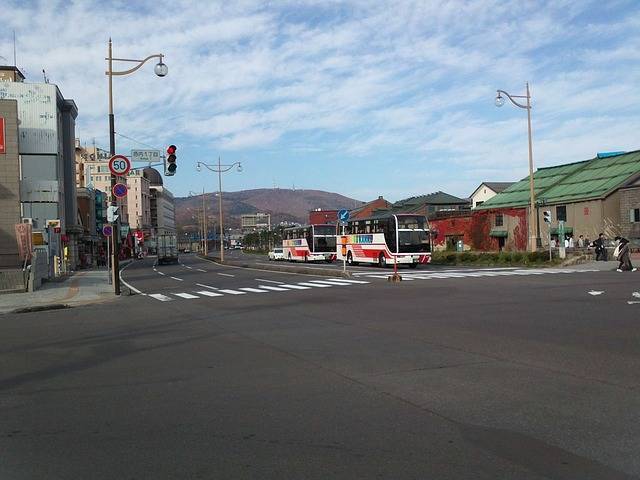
360, 97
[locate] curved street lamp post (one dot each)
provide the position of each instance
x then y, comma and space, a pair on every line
220, 169
160, 70
533, 237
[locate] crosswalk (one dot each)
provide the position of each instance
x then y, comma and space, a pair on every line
260, 289
471, 273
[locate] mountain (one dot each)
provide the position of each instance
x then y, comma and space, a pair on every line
284, 205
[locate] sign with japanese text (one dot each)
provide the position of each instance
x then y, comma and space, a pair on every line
145, 156
25, 240
2, 145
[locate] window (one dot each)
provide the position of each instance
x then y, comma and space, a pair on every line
634, 215
561, 213
499, 220
479, 203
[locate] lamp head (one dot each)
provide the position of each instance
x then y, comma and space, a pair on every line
499, 100
198, 167
161, 69
239, 167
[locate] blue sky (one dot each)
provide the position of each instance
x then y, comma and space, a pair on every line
361, 97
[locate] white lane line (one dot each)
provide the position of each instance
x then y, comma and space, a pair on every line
131, 287
201, 270
160, 273
295, 287
226, 274
186, 295
207, 286
379, 276
332, 282
159, 296
187, 266
348, 281
253, 290
207, 293
314, 284
268, 281
275, 289
233, 292
155, 269
176, 278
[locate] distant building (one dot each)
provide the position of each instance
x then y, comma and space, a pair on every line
252, 222
162, 205
367, 209
139, 202
486, 191
322, 217
9, 182
432, 203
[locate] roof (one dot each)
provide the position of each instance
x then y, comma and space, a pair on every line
590, 179
436, 198
154, 177
497, 187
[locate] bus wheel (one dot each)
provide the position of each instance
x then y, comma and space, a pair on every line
382, 261
413, 265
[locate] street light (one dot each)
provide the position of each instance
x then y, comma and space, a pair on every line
205, 238
161, 70
500, 100
219, 169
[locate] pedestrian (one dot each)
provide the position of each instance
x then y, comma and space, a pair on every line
571, 242
581, 241
623, 256
599, 246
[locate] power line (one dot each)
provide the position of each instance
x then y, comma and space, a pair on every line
136, 141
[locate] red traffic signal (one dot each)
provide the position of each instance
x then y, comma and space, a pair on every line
170, 165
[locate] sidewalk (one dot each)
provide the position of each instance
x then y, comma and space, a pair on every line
87, 286
593, 265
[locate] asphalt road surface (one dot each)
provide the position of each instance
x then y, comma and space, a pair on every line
454, 374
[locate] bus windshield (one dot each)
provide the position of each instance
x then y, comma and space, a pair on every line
413, 241
417, 222
324, 230
324, 244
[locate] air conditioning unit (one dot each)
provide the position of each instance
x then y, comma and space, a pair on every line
28, 220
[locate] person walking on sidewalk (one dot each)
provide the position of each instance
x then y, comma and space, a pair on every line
601, 251
623, 255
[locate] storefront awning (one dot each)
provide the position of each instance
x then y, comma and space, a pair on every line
499, 233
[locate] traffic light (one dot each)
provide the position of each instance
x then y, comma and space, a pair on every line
111, 213
547, 216
170, 164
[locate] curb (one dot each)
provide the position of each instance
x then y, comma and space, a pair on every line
41, 308
322, 272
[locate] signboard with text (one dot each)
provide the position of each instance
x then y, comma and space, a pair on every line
2, 143
24, 233
145, 156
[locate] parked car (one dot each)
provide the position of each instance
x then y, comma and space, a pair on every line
276, 254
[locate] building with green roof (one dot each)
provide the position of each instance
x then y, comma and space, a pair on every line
601, 194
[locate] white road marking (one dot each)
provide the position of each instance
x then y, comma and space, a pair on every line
253, 290
176, 278
295, 287
207, 293
131, 287
348, 281
186, 295
160, 273
207, 286
316, 284
268, 281
201, 270
233, 292
226, 274
632, 302
595, 292
187, 266
332, 282
275, 289
159, 296
636, 294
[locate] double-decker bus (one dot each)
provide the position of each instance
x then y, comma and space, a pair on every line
387, 239
310, 243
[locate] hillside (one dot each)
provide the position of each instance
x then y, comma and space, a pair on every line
283, 205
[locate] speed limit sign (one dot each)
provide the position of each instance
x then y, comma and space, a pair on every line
119, 165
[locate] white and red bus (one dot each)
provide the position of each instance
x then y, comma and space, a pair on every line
310, 243
387, 239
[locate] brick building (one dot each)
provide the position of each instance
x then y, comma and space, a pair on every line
9, 183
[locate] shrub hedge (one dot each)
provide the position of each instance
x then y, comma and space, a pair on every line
492, 258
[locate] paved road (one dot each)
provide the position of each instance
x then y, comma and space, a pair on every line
489, 376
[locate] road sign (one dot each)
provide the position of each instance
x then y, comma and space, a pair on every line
111, 213
145, 156
343, 215
107, 231
120, 190
119, 165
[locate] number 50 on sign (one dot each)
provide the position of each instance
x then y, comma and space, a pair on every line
119, 165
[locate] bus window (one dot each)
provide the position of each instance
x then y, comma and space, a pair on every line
388, 226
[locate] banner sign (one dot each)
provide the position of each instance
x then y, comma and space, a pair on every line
25, 240
2, 145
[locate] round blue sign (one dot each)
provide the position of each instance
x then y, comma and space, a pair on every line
107, 231
120, 190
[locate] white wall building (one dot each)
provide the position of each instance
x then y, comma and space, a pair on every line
487, 190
